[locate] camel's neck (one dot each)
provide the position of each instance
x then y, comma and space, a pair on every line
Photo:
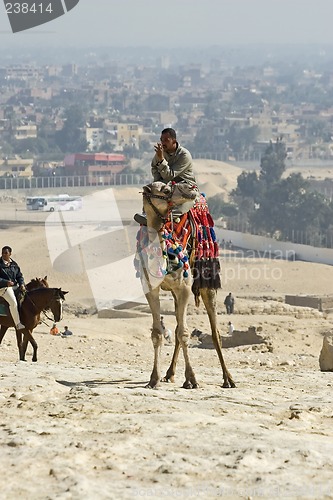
154, 222
156, 263
154, 227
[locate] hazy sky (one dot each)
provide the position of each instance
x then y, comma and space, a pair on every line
187, 23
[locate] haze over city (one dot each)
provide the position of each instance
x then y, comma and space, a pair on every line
185, 23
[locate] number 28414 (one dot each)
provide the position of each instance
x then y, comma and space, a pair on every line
25, 8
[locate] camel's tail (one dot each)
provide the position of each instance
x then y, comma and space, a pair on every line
196, 294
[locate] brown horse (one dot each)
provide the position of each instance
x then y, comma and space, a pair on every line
158, 201
32, 285
34, 302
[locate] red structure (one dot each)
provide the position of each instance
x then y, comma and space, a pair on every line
99, 167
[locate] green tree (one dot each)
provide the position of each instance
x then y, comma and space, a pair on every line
205, 141
218, 207
248, 186
275, 205
277, 208
212, 110
30, 147
248, 194
272, 164
70, 139
289, 205
241, 139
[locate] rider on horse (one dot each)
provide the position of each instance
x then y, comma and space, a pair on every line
11, 278
171, 163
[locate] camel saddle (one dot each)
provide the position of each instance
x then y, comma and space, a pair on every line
190, 241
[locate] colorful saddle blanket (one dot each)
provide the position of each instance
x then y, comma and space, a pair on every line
188, 241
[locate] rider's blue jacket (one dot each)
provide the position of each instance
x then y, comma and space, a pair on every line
12, 272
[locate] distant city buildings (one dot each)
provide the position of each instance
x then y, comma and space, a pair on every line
217, 107
99, 167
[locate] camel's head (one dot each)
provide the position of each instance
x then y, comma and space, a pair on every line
173, 193
157, 189
183, 193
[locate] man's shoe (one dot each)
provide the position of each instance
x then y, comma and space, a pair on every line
19, 326
141, 219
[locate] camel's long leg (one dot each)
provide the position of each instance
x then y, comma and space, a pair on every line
171, 371
170, 374
156, 335
209, 299
183, 294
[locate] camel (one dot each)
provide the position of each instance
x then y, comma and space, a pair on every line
158, 201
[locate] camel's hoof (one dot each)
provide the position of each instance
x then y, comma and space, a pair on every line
189, 385
168, 380
228, 385
150, 386
34, 360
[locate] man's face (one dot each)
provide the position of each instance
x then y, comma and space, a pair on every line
169, 144
6, 254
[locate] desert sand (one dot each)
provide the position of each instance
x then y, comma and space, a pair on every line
80, 423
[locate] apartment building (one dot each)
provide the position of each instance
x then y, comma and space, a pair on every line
99, 167
117, 134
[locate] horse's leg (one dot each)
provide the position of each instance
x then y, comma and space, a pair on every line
209, 299
19, 339
3, 330
183, 293
156, 336
22, 345
27, 337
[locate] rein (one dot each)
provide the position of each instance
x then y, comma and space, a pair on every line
27, 295
148, 196
166, 198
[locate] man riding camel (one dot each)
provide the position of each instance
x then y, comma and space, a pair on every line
171, 162
10, 279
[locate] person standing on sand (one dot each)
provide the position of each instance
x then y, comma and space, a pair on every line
230, 328
229, 303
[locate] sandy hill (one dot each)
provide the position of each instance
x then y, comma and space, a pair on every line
84, 420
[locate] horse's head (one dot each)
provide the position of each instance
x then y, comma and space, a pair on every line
36, 283
55, 304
